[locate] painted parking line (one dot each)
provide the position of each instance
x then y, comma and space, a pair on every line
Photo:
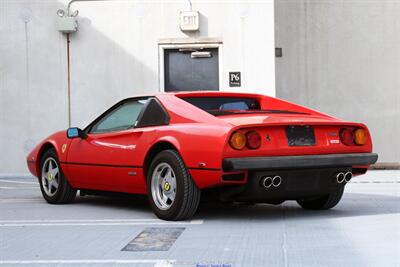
374, 182
91, 220
16, 182
81, 220
157, 263
100, 222
21, 200
17, 188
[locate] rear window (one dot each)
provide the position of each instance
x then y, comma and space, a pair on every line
219, 106
210, 104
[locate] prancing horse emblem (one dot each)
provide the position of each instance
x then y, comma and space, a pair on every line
63, 148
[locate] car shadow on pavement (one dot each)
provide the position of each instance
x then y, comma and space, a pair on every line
120, 201
352, 205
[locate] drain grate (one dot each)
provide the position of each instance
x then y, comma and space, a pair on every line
154, 239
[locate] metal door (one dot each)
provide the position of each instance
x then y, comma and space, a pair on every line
191, 69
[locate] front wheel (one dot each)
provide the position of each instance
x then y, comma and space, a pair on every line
323, 202
53, 184
172, 193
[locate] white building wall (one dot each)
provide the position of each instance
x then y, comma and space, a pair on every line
343, 58
114, 54
33, 84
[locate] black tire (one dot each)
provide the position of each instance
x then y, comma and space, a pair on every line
323, 202
64, 192
187, 196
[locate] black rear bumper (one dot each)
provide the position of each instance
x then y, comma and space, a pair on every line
294, 162
296, 184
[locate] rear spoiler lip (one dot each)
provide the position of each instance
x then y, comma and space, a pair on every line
311, 123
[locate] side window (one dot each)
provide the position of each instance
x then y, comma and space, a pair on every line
153, 115
121, 118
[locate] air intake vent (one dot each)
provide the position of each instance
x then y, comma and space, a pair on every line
233, 177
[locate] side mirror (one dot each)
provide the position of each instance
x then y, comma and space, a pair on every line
75, 132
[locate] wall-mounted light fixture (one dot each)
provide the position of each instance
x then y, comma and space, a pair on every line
66, 22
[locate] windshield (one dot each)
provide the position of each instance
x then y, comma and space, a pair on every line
219, 106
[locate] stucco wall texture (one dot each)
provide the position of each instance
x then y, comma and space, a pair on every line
343, 58
114, 54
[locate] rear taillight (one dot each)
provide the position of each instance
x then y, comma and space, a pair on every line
237, 141
360, 136
253, 140
347, 136
250, 139
351, 136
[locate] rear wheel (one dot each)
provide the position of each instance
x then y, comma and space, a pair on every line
324, 202
172, 193
53, 184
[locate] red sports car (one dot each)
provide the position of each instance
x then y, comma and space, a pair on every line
246, 147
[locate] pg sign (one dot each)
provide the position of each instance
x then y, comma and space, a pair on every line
234, 79
189, 20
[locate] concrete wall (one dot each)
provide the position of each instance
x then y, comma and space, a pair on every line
343, 58
114, 54
33, 84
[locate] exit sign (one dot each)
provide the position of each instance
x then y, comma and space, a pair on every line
189, 20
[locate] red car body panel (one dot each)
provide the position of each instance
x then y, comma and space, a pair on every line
117, 161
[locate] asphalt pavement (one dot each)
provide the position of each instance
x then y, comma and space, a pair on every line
363, 230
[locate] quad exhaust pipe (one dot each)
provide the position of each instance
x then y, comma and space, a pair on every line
268, 182
342, 177
348, 176
276, 181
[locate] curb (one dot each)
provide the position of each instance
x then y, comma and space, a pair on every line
385, 166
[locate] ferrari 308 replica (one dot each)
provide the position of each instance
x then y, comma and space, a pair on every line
172, 146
